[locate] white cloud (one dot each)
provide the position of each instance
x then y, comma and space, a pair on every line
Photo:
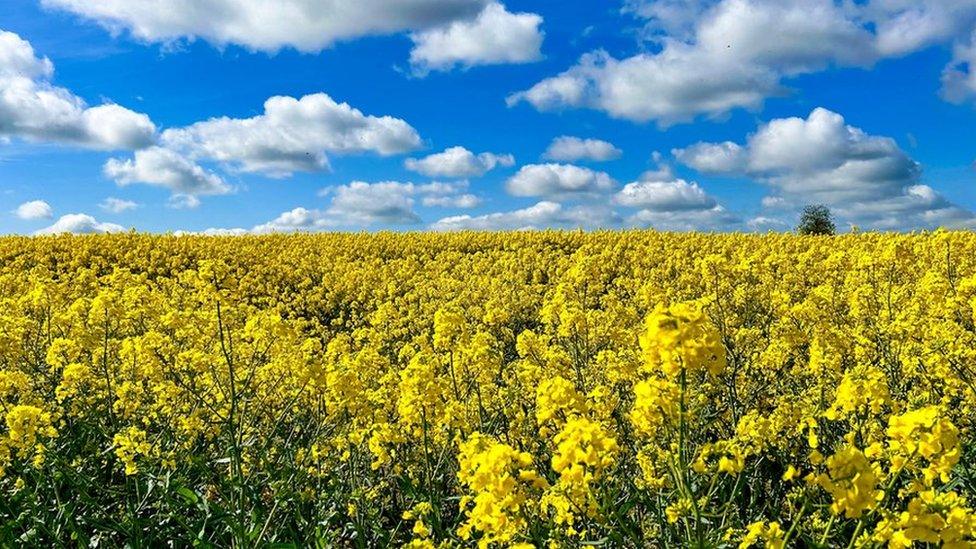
959, 76
675, 18
789, 37
183, 202
117, 205
666, 202
17, 58
222, 232
566, 148
305, 25
360, 204
713, 57
33, 109
905, 26
541, 215
79, 223
458, 162
496, 36
293, 135
713, 219
214, 232
712, 157
763, 223
298, 219
165, 168
737, 55
363, 203
676, 195
684, 84
558, 180
463, 201
867, 180
35, 209
446, 195
774, 203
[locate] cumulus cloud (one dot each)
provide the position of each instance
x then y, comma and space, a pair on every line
183, 202
165, 168
360, 204
715, 219
868, 180
17, 58
269, 26
905, 26
392, 202
35, 209
79, 223
721, 157
368, 203
685, 84
657, 199
293, 135
222, 232
462, 201
676, 195
298, 219
33, 109
495, 36
959, 76
762, 223
445, 195
736, 57
117, 205
666, 202
566, 148
774, 203
458, 162
667, 18
713, 57
544, 214
558, 180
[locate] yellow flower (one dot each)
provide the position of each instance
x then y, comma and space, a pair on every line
723, 456
500, 480
557, 400
26, 424
933, 518
925, 441
682, 338
771, 532
853, 481
584, 451
863, 389
655, 404
129, 445
678, 510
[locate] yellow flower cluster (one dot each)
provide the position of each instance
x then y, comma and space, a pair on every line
530, 389
924, 439
940, 519
852, 480
584, 450
501, 480
678, 339
771, 532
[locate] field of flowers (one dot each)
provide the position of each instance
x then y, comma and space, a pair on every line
543, 389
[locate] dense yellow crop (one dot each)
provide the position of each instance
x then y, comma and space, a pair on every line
530, 389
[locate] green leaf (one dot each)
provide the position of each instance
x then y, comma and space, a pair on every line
188, 495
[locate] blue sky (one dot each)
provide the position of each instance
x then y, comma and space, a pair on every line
438, 114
